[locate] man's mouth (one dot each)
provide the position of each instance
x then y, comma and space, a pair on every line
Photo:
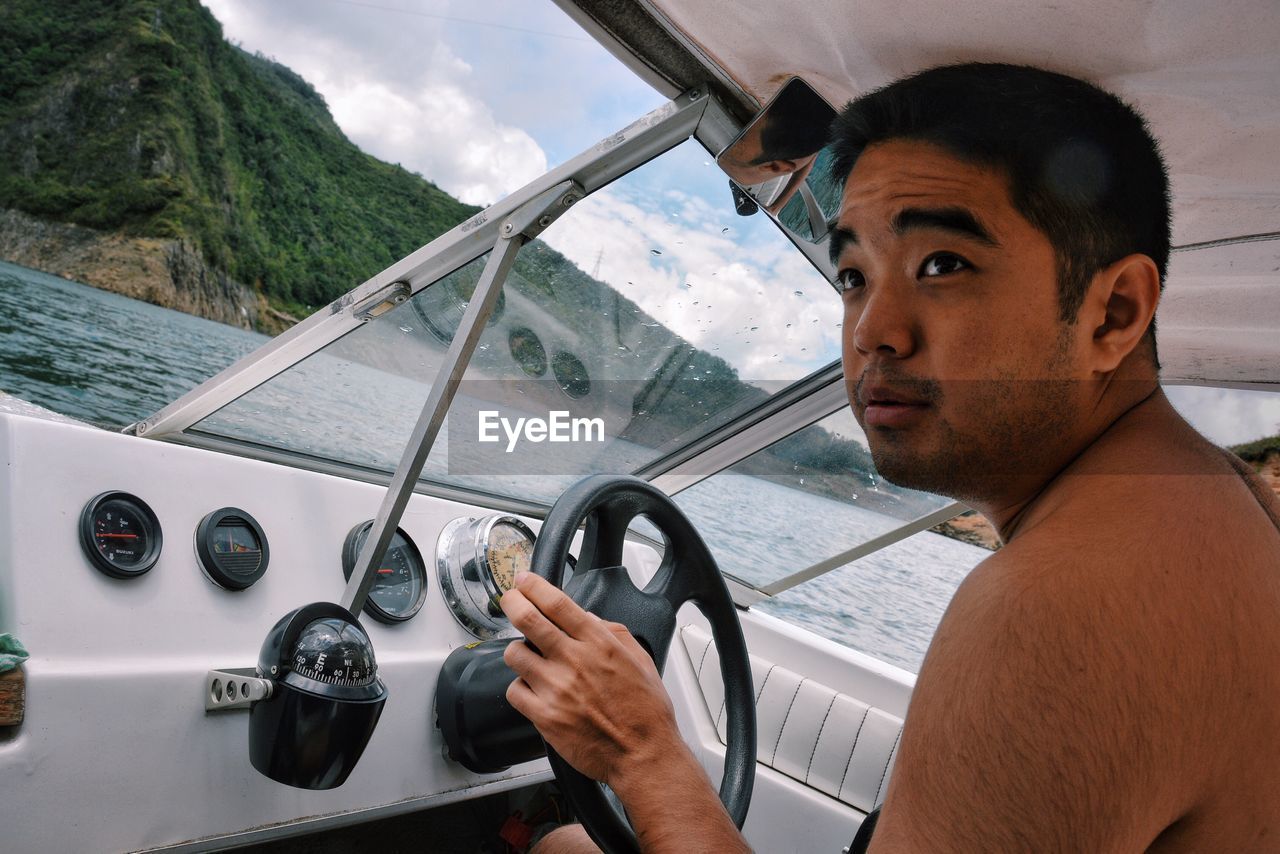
884, 406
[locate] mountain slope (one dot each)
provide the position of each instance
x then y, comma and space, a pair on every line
138, 117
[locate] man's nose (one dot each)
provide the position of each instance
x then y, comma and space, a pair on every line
885, 326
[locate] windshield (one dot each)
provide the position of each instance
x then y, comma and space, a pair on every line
653, 314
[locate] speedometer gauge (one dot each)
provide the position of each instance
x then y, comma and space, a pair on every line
120, 534
477, 560
400, 586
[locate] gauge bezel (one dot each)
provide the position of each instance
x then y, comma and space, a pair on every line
466, 578
208, 558
155, 537
350, 552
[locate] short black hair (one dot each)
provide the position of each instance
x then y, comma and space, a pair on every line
1082, 166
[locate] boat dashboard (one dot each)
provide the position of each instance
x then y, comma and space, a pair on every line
128, 739
131, 568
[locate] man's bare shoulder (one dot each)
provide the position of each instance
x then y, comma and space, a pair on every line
1038, 684
1106, 665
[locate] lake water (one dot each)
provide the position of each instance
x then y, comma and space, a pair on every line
110, 360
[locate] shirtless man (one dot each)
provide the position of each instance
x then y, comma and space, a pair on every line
1110, 680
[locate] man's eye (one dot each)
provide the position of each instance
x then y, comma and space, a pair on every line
847, 280
943, 263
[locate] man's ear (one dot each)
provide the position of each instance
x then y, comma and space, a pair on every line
1121, 303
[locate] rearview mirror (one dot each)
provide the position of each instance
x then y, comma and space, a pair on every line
779, 163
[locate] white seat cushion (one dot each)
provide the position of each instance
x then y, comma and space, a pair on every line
822, 738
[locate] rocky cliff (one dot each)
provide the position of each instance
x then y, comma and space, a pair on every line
171, 273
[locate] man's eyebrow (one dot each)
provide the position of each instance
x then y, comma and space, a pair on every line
958, 221
840, 238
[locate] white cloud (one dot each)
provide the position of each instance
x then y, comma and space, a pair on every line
396, 89
1228, 416
732, 296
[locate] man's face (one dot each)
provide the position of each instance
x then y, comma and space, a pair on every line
955, 361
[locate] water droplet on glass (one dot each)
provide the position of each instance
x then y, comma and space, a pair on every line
802, 481
406, 329
688, 286
724, 230
855, 496
655, 251
798, 293
788, 325
754, 328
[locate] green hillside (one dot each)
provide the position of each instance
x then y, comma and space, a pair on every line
1257, 450
139, 117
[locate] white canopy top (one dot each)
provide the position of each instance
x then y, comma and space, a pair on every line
1206, 76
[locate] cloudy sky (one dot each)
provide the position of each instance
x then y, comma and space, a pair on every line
482, 97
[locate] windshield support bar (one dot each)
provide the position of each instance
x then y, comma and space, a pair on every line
937, 517
523, 225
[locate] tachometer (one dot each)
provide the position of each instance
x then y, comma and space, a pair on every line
477, 560
400, 587
120, 534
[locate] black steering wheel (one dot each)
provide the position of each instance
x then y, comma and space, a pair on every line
688, 573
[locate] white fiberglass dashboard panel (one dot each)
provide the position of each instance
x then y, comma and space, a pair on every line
117, 751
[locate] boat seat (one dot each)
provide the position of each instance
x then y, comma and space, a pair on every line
805, 730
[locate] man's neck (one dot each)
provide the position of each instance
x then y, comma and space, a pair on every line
1025, 500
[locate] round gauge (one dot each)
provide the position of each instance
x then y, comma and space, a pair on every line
120, 534
232, 548
400, 587
477, 560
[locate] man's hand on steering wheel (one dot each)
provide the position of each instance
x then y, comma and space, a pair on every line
595, 695
590, 688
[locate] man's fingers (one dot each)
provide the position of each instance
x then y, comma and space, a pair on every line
526, 617
523, 699
558, 607
527, 664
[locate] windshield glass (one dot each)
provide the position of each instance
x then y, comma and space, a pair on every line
813, 495
652, 314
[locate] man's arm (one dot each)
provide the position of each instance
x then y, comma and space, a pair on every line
596, 697
1044, 718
